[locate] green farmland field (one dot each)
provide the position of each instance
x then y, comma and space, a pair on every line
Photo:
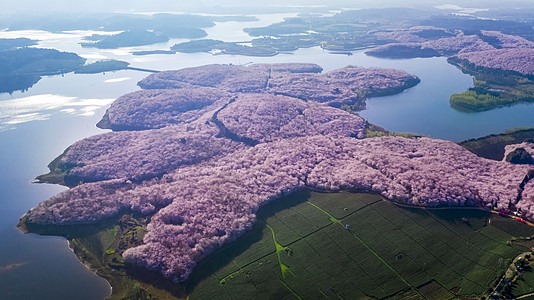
302, 249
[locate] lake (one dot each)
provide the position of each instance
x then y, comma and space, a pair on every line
37, 125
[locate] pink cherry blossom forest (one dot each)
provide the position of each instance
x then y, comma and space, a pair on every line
200, 150
513, 53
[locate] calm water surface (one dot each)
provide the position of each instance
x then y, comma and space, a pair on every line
37, 125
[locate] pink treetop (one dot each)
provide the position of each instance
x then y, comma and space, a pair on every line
156, 108
520, 60
526, 204
509, 41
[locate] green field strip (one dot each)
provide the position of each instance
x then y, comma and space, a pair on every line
434, 290
439, 251
355, 201
265, 276
390, 212
344, 203
236, 269
337, 272
291, 290
298, 223
341, 275
469, 289
233, 274
304, 283
240, 287
343, 258
335, 208
372, 217
219, 280
284, 269
407, 295
247, 253
495, 233
484, 279
334, 220
342, 290
442, 230
525, 286
407, 263
449, 279
484, 242
284, 235
511, 226
296, 235
307, 283
222, 267
467, 250
209, 287
313, 271
383, 261
241, 279
455, 232
209, 291
328, 267
475, 218
313, 215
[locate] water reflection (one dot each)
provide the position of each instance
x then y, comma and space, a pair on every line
43, 107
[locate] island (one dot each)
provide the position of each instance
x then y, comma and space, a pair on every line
126, 29
208, 157
103, 66
12, 44
128, 38
220, 47
23, 66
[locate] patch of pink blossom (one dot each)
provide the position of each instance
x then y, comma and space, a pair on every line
443, 46
509, 41
143, 154
343, 86
410, 35
295, 80
458, 44
230, 78
156, 108
526, 204
266, 117
520, 60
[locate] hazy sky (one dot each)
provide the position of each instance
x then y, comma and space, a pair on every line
47, 6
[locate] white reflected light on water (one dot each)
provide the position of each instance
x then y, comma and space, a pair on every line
43, 107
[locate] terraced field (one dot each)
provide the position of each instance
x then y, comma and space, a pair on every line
354, 246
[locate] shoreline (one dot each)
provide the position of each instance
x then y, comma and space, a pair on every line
89, 267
